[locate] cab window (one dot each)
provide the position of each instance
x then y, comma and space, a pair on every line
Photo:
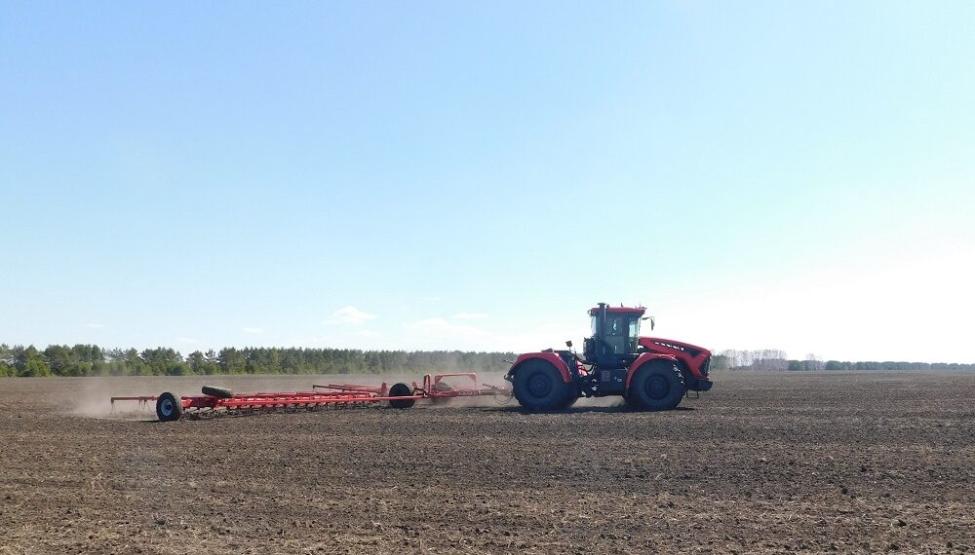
634, 328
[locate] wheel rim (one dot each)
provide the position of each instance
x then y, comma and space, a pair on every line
166, 407
657, 387
539, 385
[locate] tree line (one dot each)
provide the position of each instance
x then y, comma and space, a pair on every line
776, 360
92, 360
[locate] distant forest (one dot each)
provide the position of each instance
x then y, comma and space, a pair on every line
776, 360
92, 360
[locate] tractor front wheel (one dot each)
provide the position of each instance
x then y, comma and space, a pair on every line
539, 386
656, 386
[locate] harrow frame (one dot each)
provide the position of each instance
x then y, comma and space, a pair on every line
171, 407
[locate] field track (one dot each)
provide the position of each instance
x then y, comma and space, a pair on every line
766, 463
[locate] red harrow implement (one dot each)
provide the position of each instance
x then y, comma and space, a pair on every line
216, 401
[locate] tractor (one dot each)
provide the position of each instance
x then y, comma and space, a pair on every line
650, 373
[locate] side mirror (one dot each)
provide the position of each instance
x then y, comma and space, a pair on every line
653, 323
568, 343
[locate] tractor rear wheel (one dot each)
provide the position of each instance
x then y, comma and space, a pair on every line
169, 407
539, 386
401, 390
656, 386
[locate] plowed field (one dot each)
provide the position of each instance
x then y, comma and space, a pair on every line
765, 463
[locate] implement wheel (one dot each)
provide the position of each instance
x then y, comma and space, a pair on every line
219, 392
538, 386
168, 407
657, 385
401, 390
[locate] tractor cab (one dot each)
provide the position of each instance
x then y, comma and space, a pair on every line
615, 336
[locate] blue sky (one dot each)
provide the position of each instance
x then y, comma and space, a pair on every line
451, 175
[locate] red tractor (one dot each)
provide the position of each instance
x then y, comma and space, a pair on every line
650, 373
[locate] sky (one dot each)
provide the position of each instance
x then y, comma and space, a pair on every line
454, 175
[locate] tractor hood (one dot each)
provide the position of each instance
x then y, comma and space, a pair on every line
672, 347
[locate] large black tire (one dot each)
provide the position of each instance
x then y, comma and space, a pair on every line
539, 386
220, 392
657, 385
401, 390
168, 407
570, 400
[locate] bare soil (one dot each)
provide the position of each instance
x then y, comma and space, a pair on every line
765, 463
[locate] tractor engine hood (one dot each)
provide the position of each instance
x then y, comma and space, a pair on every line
672, 347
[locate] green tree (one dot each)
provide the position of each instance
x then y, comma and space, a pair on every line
200, 363
6, 362
163, 361
231, 361
29, 363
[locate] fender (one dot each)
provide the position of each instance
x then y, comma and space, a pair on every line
550, 357
643, 359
